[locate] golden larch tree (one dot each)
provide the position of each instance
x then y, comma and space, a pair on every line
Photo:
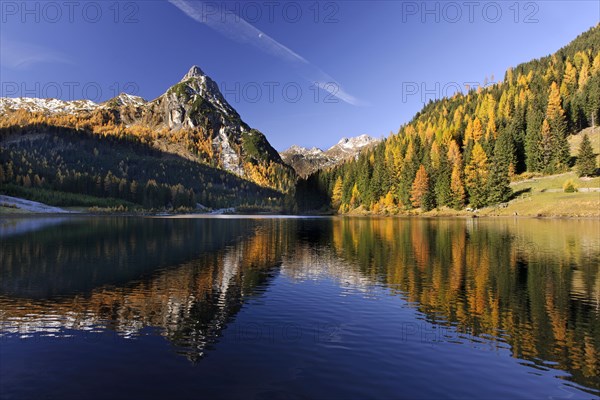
420, 187
457, 188
554, 110
336, 197
476, 176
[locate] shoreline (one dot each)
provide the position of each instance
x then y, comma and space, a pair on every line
18, 215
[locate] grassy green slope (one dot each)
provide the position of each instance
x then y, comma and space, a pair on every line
545, 196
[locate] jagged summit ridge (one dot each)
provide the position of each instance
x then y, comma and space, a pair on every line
303, 150
358, 141
47, 106
199, 89
194, 72
56, 106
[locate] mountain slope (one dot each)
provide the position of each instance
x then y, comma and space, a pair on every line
307, 161
464, 150
189, 136
67, 160
191, 119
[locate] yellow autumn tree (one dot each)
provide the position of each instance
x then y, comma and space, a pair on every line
457, 188
388, 201
435, 155
554, 109
491, 126
454, 153
336, 197
476, 176
477, 129
584, 75
355, 196
468, 129
569, 81
420, 187
595, 65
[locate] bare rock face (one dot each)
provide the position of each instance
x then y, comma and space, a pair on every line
193, 102
307, 161
124, 100
196, 102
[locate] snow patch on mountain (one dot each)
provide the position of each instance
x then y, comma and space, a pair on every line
358, 142
46, 106
55, 106
124, 99
306, 161
295, 149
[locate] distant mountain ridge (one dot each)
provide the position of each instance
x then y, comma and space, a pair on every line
47, 106
56, 106
307, 161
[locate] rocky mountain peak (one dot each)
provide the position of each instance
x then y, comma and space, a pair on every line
358, 141
306, 161
194, 72
198, 94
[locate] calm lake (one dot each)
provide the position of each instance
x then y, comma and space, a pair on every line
266, 308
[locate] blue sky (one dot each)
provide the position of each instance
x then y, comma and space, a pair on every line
374, 61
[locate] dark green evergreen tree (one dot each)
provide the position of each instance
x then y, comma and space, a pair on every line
442, 190
533, 141
586, 159
499, 190
589, 100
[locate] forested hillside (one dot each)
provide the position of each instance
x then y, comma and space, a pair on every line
67, 160
465, 150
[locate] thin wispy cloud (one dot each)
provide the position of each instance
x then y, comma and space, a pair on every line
19, 55
236, 28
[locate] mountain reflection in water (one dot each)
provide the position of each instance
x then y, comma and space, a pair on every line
530, 286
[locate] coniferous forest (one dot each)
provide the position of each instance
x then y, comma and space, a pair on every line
56, 165
464, 150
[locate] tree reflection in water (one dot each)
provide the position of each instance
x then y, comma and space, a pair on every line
531, 284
